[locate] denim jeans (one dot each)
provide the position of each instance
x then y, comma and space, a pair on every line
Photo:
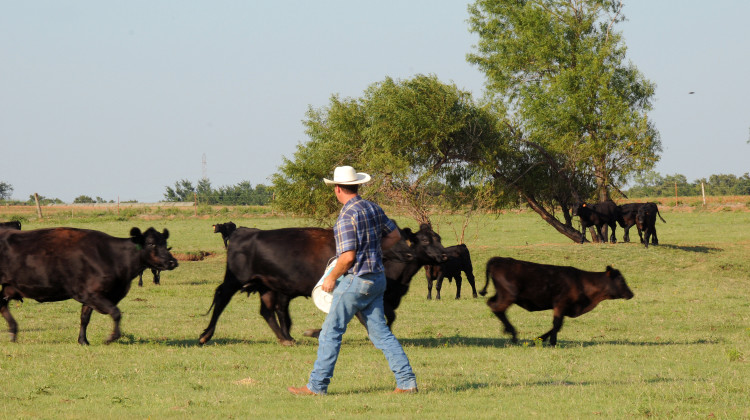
358, 294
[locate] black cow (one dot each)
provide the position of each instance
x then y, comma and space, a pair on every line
155, 272
599, 215
459, 259
226, 230
646, 222
282, 264
568, 291
626, 219
94, 268
15, 225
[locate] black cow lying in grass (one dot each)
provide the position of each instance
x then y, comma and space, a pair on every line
568, 291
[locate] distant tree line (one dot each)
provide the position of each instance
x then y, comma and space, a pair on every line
240, 194
652, 184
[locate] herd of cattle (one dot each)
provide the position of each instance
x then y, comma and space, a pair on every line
97, 269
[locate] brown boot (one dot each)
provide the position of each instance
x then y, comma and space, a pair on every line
303, 390
406, 391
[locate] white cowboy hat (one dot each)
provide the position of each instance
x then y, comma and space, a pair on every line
346, 175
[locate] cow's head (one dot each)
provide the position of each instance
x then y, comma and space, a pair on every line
579, 208
153, 248
400, 251
425, 244
225, 228
617, 287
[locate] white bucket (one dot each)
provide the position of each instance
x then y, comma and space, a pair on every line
323, 299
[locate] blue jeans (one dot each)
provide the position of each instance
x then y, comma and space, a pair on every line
358, 294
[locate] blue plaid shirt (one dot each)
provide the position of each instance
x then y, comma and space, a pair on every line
360, 227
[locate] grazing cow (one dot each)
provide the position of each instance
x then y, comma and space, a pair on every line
15, 225
282, 264
459, 259
568, 291
646, 222
96, 269
599, 215
155, 272
626, 219
226, 230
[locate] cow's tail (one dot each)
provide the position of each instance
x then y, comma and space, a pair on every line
483, 292
658, 214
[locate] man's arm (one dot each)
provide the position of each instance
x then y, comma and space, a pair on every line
390, 239
344, 263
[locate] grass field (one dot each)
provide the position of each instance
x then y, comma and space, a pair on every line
679, 349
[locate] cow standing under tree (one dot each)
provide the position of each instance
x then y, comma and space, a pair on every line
626, 219
94, 268
459, 259
281, 264
568, 291
646, 222
598, 215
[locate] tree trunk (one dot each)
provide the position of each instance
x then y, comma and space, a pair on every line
568, 231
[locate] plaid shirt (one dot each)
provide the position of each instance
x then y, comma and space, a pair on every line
360, 227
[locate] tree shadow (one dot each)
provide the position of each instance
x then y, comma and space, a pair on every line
697, 248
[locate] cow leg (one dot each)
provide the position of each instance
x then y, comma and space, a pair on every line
470, 278
157, 276
458, 286
222, 296
429, 282
654, 239
85, 318
583, 233
613, 238
140, 279
640, 234
268, 312
557, 322
646, 236
439, 285
626, 235
104, 306
12, 324
498, 306
285, 320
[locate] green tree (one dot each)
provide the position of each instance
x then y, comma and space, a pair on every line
573, 100
5, 191
83, 199
183, 191
409, 133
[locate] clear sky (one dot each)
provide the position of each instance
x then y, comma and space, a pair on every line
124, 98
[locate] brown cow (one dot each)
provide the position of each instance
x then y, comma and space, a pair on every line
537, 287
92, 267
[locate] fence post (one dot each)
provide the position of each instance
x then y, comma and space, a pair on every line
38, 207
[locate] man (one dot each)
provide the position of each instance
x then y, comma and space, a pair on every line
362, 232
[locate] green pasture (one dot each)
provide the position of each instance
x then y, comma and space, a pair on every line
679, 349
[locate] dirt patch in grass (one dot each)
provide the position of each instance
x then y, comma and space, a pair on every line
193, 256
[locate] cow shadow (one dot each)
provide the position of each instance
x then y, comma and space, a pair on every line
697, 248
506, 342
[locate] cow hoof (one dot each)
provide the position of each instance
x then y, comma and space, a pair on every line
286, 343
112, 338
312, 333
83, 342
12, 338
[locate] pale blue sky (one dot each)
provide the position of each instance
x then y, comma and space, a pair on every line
123, 98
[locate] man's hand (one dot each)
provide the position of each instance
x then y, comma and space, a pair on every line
345, 261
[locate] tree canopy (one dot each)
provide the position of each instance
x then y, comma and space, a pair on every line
413, 135
5, 191
577, 108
